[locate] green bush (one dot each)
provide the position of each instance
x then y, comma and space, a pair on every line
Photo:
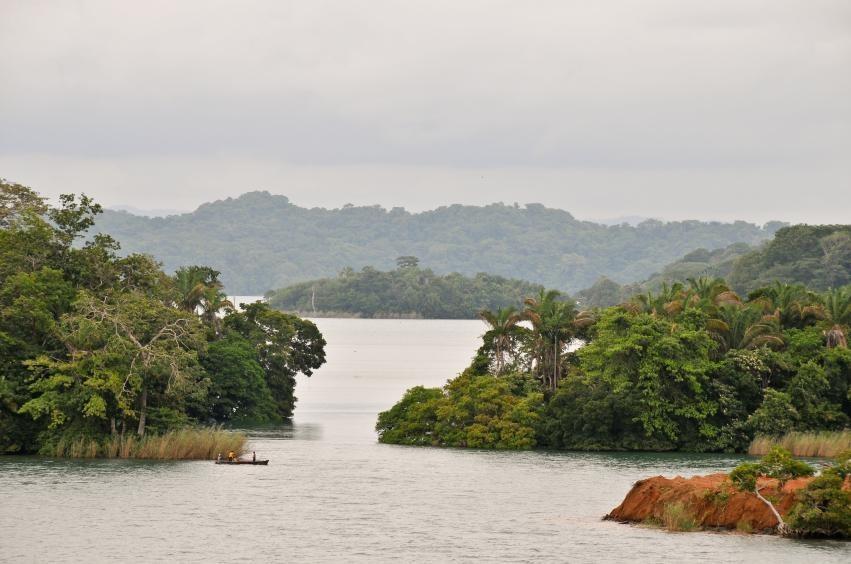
824, 508
472, 411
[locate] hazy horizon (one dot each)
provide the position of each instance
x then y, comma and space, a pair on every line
611, 220
664, 108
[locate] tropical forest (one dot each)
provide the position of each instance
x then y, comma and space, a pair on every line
105, 354
260, 241
408, 291
692, 367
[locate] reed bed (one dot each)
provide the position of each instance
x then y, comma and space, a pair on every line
824, 444
202, 443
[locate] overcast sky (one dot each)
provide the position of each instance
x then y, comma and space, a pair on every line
663, 108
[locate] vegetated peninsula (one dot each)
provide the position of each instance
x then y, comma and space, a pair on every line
259, 241
109, 356
408, 291
693, 367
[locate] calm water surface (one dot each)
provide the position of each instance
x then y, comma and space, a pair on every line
332, 494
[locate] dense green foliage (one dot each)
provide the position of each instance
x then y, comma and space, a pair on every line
691, 367
472, 411
408, 291
94, 345
818, 257
824, 508
259, 241
700, 263
779, 465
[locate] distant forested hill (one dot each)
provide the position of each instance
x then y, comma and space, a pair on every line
406, 291
817, 256
259, 241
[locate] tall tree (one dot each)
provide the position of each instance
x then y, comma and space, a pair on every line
792, 304
286, 345
502, 333
739, 327
121, 349
837, 312
553, 328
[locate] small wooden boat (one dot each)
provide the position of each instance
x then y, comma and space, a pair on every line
255, 462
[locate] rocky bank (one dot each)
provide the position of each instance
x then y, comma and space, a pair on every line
712, 500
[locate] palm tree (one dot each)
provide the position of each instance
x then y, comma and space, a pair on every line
655, 304
837, 312
738, 327
200, 292
502, 333
712, 292
793, 304
214, 302
192, 282
553, 327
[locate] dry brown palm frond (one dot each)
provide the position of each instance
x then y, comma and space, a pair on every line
630, 307
584, 319
836, 338
770, 341
728, 298
814, 311
673, 308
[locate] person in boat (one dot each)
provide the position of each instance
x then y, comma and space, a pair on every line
219, 457
231, 456
253, 456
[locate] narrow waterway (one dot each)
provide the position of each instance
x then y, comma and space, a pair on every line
332, 494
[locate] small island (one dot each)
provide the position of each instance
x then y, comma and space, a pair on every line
407, 292
775, 495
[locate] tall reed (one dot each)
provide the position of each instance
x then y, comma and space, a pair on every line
197, 443
826, 444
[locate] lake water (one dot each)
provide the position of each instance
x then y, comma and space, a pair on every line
331, 493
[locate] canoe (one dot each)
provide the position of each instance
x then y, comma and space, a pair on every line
254, 462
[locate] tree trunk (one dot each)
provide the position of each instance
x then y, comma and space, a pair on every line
782, 528
143, 410
556, 356
112, 429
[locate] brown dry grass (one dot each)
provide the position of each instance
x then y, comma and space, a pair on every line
825, 444
184, 444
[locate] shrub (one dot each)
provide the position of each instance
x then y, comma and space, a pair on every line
470, 411
824, 508
677, 516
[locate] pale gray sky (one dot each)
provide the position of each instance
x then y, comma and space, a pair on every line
667, 108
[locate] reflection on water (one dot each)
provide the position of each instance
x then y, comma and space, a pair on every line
332, 494
285, 431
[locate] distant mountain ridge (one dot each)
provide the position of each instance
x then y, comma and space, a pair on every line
261, 241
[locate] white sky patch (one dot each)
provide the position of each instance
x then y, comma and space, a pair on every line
666, 108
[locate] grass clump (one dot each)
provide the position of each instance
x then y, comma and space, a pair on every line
195, 443
719, 497
824, 444
743, 526
677, 516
